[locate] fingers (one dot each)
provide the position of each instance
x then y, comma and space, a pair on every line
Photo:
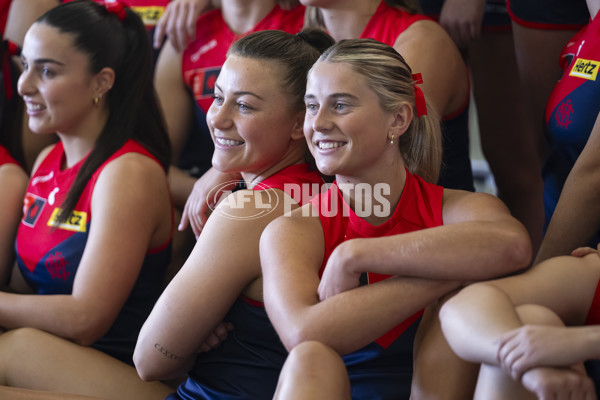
160, 29
216, 337
583, 251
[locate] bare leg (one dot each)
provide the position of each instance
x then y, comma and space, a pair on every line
313, 371
26, 394
438, 372
510, 145
494, 383
37, 360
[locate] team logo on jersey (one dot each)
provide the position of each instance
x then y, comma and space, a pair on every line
77, 221
32, 209
203, 81
150, 15
563, 114
586, 69
56, 265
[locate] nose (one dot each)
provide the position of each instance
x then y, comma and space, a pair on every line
321, 121
218, 117
25, 84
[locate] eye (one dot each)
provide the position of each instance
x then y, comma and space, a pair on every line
47, 72
311, 107
244, 107
217, 99
340, 106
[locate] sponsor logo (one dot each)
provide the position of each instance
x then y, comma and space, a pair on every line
43, 178
32, 209
586, 69
77, 221
149, 15
203, 49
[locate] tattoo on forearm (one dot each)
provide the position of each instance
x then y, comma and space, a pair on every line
167, 353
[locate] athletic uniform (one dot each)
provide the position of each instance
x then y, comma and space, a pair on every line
5, 157
549, 14
571, 111
385, 26
201, 64
495, 17
48, 254
382, 369
248, 362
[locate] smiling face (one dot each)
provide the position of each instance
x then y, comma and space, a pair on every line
251, 119
346, 129
56, 84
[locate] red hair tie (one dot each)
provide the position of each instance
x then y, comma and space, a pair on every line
419, 96
116, 7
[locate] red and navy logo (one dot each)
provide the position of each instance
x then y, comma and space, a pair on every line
563, 114
32, 209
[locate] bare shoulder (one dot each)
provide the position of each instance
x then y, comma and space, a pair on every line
41, 156
461, 205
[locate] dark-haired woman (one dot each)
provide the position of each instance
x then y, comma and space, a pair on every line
97, 219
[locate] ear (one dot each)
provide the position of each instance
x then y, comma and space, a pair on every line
104, 81
402, 117
298, 129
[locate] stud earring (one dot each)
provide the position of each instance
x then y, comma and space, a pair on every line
96, 100
392, 141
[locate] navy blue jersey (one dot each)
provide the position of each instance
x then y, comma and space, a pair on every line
571, 111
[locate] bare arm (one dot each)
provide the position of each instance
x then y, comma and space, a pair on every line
479, 240
223, 263
14, 182
178, 22
291, 255
119, 238
474, 320
577, 215
446, 88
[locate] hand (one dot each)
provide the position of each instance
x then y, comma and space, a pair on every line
338, 276
462, 20
559, 383
216, 337
584, 251
207, 192
532, 346
178, 22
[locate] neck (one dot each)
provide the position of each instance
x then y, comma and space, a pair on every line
593, 7
78, 142
295, 154
349, 19
242, 15
380, 188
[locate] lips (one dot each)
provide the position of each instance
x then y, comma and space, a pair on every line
34, 107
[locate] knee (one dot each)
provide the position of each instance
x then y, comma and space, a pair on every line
534, 314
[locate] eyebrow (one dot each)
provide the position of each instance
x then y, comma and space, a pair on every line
333, 96
242, 93
44, 61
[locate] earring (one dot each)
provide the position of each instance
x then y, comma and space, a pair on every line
96, 100
392, 141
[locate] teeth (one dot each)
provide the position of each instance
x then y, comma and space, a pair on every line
228, 142
330, 145
34, 107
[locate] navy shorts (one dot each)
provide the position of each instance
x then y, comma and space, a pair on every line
495, 18
549, 14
